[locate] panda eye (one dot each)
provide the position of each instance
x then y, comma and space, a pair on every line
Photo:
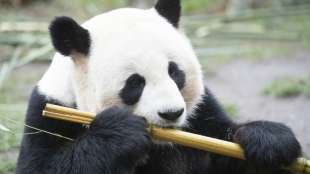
176, 74
172, 70
135, 81
132, 91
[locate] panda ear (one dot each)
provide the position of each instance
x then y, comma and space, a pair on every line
69, 37
170, 9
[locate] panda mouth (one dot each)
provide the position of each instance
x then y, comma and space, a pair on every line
166, 125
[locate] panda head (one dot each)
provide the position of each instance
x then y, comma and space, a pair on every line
132, 58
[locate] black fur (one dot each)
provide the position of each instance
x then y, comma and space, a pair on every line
268, 144
68, 36
133, 89
170, 9
176, 74
117, 142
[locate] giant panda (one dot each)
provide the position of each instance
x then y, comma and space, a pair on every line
133, 67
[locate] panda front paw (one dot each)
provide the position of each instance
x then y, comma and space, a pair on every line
268, 145
125, 134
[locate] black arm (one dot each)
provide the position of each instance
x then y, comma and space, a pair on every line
99, 149
211, 120
268, 145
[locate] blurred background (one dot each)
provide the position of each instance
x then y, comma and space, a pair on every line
255, 55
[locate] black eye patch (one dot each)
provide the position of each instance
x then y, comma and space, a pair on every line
176, 74
133, 89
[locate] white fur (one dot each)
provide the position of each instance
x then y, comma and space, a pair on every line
57, 81
124, 42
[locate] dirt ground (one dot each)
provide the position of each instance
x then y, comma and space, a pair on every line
241, 82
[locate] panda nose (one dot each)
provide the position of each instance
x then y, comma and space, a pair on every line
171, 115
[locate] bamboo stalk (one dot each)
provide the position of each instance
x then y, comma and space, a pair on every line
70, 111
213, 145
71, 118
199, 142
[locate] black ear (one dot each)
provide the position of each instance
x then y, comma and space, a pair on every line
68, 36
170, 9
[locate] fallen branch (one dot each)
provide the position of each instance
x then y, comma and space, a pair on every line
17, 62
23, 27
15, 39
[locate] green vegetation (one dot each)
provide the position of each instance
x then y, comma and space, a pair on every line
9, 140
7, 166
288, 87
196, 6
13, 100
232, 110
254, 35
